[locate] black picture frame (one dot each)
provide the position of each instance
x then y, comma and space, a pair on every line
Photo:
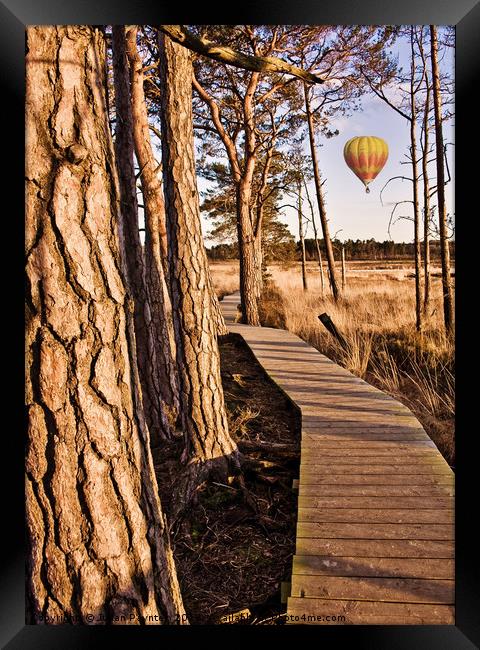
15, 15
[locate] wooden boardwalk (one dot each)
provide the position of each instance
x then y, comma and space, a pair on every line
375, 531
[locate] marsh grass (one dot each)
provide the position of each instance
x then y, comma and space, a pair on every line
225, 277
376, 317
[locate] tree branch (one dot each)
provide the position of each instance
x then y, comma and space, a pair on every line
224, 54
393, 212
383, 97
404, 178
216, 118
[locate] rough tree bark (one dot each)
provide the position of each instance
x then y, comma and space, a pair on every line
149, 179
156, 246
259, 211
321, 203
154, 352
98, 543
250, 273
442, 210
220, 326
156, 249
209, 447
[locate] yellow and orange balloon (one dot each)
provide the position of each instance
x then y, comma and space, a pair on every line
366, 155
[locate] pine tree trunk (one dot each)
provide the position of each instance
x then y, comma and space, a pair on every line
250, 260
250, 263
149, 179
260, 204
155, 250
249, 276
317, 243
258, 241
220, 326
156, 245
155, 364
302, 238
426, 206
98, 542
320, 265
209, 447
416, 206
321, 201
442, 211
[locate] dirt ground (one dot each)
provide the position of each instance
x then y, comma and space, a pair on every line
238, 545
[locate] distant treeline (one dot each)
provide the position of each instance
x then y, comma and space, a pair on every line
358, 249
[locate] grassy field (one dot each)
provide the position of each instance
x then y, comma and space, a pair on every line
377, 317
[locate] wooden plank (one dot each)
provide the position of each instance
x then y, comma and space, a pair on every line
347, 445
413, 548
374, 566
378, 479
315, 459
356, 612
371, 515
324, 455
346, 530
376, 469
411, 590
318, 496
367, 403
353, 391
313, 411
285, 591
317, 402
366, 416
352, 436
348, 424
350, 389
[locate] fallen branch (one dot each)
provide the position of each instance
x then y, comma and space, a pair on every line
330, 325
257, 445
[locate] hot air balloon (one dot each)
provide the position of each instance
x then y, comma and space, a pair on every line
366, 155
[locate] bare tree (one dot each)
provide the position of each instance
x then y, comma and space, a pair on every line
442, 212
336, 54
321, 200
407, 108
97, 538
414, 88
301, 235
425, 143
317, 243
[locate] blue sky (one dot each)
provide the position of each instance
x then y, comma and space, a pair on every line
350, 210
352, 213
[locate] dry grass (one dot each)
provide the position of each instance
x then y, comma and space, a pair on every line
225, 277
376, 316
